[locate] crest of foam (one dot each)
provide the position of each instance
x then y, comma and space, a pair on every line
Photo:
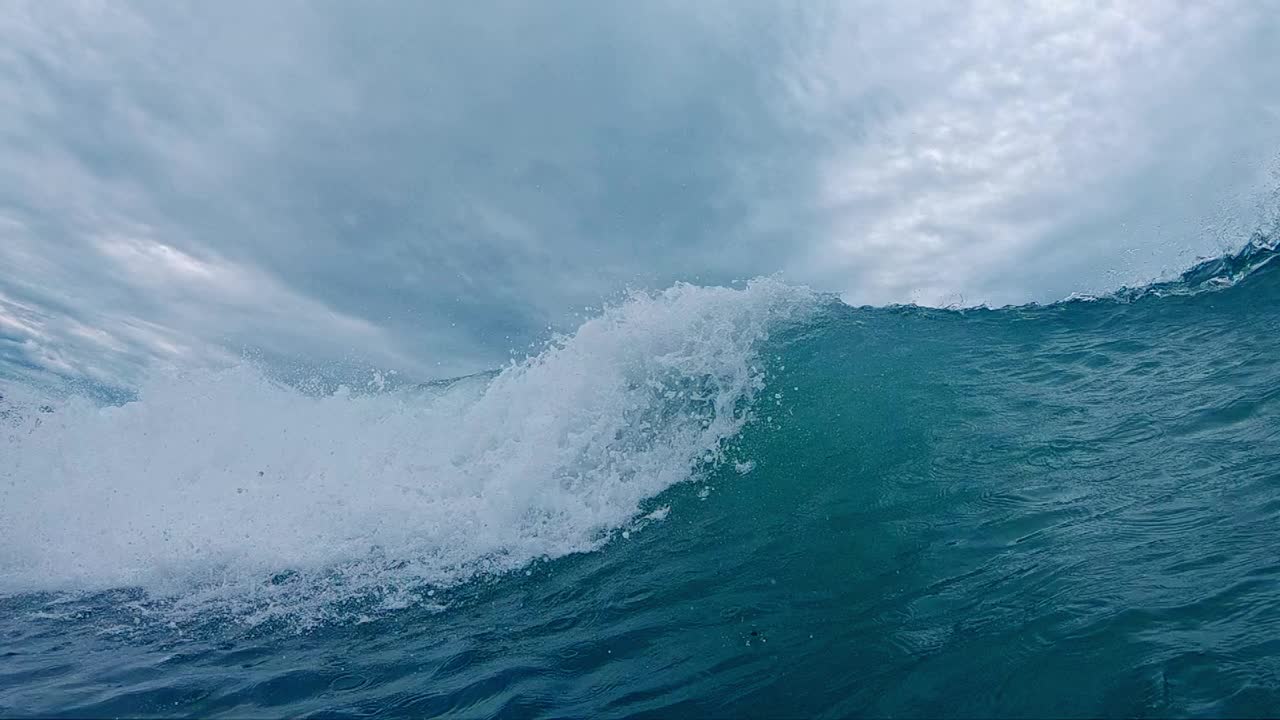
224, 486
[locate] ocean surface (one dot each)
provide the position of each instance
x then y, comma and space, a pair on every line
705, 502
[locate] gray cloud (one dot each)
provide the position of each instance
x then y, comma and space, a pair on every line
1034, 150
428, 186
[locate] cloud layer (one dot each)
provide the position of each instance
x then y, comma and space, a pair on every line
429, 187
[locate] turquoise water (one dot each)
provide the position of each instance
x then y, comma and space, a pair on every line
750, 502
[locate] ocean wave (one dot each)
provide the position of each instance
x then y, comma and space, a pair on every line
228, 492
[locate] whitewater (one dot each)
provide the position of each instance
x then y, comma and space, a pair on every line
212, 481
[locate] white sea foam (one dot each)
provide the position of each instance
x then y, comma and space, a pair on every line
221, 487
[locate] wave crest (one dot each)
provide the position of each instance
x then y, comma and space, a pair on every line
226, 489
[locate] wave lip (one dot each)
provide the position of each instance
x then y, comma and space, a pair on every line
1211, 274
224, 487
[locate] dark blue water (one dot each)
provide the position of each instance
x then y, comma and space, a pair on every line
1068, 510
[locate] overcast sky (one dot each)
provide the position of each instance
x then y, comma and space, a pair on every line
428, 185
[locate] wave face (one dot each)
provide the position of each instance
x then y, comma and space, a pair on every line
705, 502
